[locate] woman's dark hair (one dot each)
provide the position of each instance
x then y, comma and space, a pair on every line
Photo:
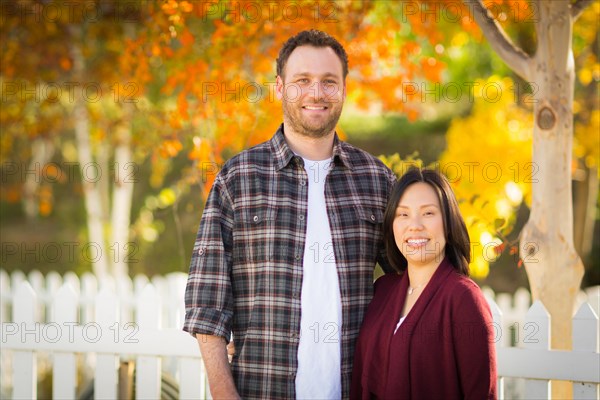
457, 249
314, 38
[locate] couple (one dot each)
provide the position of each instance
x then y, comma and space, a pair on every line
284, 257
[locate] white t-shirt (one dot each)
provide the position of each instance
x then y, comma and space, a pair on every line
399, 323
319, 351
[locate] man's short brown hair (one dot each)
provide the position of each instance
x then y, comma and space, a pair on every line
314, 38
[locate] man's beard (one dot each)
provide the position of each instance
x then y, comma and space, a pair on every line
303, 126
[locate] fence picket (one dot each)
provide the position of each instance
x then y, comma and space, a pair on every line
191, 379
147, 380
173, 308
139, 283
25, 362
106, 372
593, 298
72, 278
497, 318
88, 297
124, 288
176, 283
36, 280
64, 317
16, 278
537, 322
5, 295
585, 339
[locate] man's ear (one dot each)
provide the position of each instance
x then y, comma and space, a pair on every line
279, 87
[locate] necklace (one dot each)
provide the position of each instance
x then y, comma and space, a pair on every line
412, 289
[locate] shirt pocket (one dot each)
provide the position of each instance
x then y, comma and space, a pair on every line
370, 225
254, 234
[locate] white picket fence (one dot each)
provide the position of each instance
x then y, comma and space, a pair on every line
82, 331
49, 322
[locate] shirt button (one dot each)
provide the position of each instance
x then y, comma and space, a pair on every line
302, 183
301, 217
201, 251
297, 256
255, 218
372, 218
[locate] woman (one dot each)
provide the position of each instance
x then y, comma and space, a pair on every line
428, 332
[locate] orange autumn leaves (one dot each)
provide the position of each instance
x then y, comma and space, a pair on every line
222, 67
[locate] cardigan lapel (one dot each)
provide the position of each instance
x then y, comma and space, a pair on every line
435, 283
399, 346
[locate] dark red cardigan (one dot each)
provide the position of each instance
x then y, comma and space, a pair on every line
444, 349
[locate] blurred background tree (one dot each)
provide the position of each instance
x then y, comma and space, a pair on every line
185, 85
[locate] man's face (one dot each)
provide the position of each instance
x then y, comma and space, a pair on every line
312, 91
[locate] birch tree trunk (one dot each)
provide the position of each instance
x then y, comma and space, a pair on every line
121, 204
553, 266
123, 186
88, 169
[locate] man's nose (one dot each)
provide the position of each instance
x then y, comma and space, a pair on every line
317, 91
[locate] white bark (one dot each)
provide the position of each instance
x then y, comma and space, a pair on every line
121, 204
124, 181
89, 170
103, 159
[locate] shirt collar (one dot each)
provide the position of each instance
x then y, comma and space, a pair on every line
282, 154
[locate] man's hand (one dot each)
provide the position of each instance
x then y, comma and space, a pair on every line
230, 350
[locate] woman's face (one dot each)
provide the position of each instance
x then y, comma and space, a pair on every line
419, 227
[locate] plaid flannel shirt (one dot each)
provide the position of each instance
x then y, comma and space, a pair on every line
246, 269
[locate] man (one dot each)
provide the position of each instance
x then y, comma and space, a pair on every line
289, 237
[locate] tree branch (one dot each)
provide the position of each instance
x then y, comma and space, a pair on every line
578, 7
512, 55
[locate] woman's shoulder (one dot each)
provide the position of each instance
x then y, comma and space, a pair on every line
465, 291
460, 281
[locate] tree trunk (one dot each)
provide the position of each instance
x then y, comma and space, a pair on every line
122, 197
553, 266
124, 181
89, 170
547, 249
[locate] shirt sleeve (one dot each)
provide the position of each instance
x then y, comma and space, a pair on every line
474, 345
208, 294
382, 260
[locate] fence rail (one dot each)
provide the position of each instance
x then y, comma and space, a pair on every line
50, 323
